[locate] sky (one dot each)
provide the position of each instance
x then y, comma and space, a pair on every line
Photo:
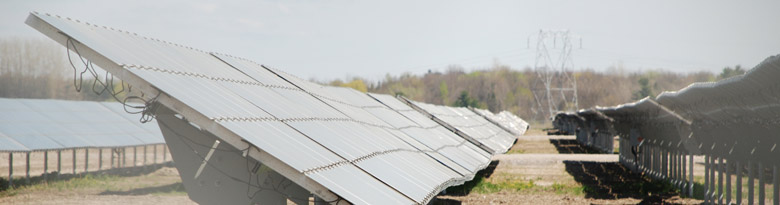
325, 40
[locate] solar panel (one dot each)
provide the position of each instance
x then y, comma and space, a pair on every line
357, 134
362, 190
435, 137
336, 143
10, 145
141, 134
504, 119
35, 125
473, 126
277, 139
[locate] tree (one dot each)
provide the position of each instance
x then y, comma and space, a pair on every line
465, 101
644, 89
444, 91
729, 72
356, 83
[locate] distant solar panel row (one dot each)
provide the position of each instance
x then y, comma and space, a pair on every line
596, 132
38, 125
496, 139
732, 122
363, 148
505, 119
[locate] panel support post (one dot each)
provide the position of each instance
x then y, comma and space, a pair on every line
728, 181
738, 171
683, 175
707, 181
165, 149
135, 156
124, 157
761, 183
59, 163
100, 158
10, 170
113, 151
664, 175
45, 164
751, 184
712, 180
720, 180
74, 160
154, 156
144, 156
27, 168
690, 179
673, 167
775, 189
681, 171
86, 160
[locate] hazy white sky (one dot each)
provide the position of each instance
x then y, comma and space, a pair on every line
340, 38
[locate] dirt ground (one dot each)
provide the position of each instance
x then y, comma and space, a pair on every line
154, 186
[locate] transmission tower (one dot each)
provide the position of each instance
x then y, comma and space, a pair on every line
555, 88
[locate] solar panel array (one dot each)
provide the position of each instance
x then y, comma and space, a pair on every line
38, 125
511, 122
496, 139
363, 148
733, 120
591, 127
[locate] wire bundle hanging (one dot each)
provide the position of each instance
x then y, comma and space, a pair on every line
145, 107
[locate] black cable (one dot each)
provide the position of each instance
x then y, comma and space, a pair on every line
148, 108
77, 81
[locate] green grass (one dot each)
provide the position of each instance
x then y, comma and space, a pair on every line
563, 189
516, 151
9, 192
485, 187
481, 185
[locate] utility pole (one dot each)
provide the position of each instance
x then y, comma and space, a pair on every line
555, 88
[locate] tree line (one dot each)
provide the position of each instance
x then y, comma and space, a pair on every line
501, 87
39, 68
